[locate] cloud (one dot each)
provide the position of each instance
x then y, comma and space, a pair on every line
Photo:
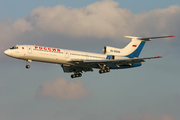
148, 116
100, 20
62, 89
96, 19
8, 32
104, 19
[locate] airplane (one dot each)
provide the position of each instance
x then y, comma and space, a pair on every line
78, 62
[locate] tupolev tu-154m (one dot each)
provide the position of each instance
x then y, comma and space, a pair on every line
78, 61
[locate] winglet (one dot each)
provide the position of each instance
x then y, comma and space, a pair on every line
171, 36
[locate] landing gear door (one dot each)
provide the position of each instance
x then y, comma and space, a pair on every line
29, 49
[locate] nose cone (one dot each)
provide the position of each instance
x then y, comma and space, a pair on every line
7, 52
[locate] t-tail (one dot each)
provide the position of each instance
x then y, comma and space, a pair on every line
133, 49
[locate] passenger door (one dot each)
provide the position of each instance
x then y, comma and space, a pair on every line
66, 54
29, 49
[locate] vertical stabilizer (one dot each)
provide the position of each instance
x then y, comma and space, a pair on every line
134, 48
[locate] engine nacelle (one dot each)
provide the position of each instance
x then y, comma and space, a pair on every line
111, 50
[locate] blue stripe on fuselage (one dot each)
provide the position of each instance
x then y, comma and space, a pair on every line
108, 56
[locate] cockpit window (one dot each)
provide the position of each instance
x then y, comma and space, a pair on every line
14, 47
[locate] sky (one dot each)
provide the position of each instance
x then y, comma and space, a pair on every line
43, 92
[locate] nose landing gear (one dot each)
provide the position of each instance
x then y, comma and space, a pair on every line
27, 64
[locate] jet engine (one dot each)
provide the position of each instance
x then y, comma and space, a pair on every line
111, 50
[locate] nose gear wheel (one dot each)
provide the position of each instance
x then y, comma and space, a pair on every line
27, 66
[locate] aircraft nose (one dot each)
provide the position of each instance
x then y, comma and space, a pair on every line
6, 52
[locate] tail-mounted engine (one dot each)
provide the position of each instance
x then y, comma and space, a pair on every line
111, 50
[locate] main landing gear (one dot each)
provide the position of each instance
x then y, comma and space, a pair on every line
104, 71
76, 75
27, 64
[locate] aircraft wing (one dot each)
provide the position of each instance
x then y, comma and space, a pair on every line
87, 65
119, 61
116, 62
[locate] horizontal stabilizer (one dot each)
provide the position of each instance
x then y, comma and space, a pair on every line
147, 39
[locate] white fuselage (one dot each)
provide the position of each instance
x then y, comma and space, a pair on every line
51, 55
